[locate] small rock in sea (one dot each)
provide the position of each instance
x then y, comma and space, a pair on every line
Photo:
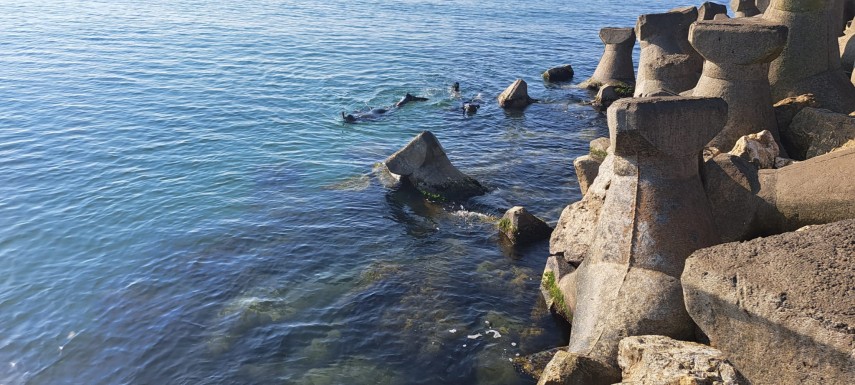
515, 96
559, 74
423, 164
521, 227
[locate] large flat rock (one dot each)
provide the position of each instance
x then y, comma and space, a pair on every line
781, 308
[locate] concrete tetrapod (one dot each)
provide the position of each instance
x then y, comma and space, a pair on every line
708, 10
744, 8
654, 215
615, 65
668, 64
748, 203
810, 62
738, 53
423, 163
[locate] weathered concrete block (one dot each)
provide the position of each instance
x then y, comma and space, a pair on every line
615, 65
654, 214
668, 64
738, 53
810, 63
808, 193
587, 167
572, 369
658, 360
815, 131
744, 8
747, 203
521, 227
515, 96
781, 308
786, 110
558, 287
423, 163
708, 10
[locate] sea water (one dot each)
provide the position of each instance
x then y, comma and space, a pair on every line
180, 202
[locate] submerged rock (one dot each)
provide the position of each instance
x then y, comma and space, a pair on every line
559, 74
423, 163
533, 364
567, 368
558, 287
658, 360
515, 96
781, 308
521, 227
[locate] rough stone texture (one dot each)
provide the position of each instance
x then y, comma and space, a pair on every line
758, 149
533, 364
615, 65
738, 53
708, 10
810, 63
423, 163
668, 64
559, 74
815, 131
559, 291
521, 227
575, 229
762, 5
846, 44
658, 360
808, 193
732, 184
605, 97
654, 214
572, 369
744, 8
587, 167
783, 162
781, 308
747, 203
515, 96
786, 110
599, 147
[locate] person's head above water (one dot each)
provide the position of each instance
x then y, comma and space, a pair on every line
348, 118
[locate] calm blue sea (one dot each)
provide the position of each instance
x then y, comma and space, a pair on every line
180, 202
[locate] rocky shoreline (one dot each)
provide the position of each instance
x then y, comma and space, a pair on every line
733, 130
